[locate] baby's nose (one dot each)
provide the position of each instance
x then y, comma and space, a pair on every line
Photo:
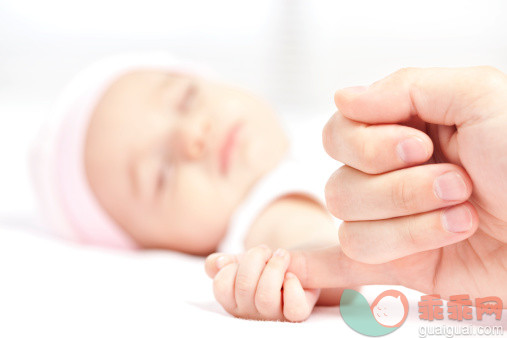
196, 138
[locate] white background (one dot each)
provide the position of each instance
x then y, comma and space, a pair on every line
294, 53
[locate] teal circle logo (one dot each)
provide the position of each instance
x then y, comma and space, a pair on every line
385, 315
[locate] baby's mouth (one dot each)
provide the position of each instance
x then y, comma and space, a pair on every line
228, 146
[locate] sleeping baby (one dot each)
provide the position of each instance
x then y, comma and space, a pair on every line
145, 151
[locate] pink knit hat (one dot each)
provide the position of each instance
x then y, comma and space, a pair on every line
68, 206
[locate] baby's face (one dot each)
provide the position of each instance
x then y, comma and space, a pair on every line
171, 156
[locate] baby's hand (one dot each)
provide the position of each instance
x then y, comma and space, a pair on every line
255, 285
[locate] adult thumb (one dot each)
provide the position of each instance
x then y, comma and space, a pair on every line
444, 96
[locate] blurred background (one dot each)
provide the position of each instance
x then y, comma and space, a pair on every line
294, 53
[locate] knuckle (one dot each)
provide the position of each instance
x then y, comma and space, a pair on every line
369, 156
488, 69
336, 201
243, 286
327, 136
336, 97
403, 196
410, 234
331, 146
354, 246
405, 70
402, 72
347, 242
495, 78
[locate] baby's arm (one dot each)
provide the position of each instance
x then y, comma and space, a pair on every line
256, 284
293, 222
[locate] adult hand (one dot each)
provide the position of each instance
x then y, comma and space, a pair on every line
423, 193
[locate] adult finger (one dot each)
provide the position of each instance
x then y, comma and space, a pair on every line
352, 195
331, 268
382, 241
444, 96
375, 148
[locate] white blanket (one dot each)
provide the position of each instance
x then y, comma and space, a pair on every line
53, 289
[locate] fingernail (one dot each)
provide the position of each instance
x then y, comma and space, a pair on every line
450, 187
352, 92
412, 150
279, 252
221, 262
457, 219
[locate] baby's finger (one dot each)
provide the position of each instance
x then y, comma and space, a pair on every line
297, 302
381, 241
223, 287
375, 149
268, 296
352, 195
217, 261
249, 271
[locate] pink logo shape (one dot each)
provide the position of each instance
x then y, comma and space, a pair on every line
390, 308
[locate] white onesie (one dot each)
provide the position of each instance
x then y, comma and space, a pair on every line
306, 174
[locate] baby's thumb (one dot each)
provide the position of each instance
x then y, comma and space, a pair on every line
331, 268
216, 261
444, 96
